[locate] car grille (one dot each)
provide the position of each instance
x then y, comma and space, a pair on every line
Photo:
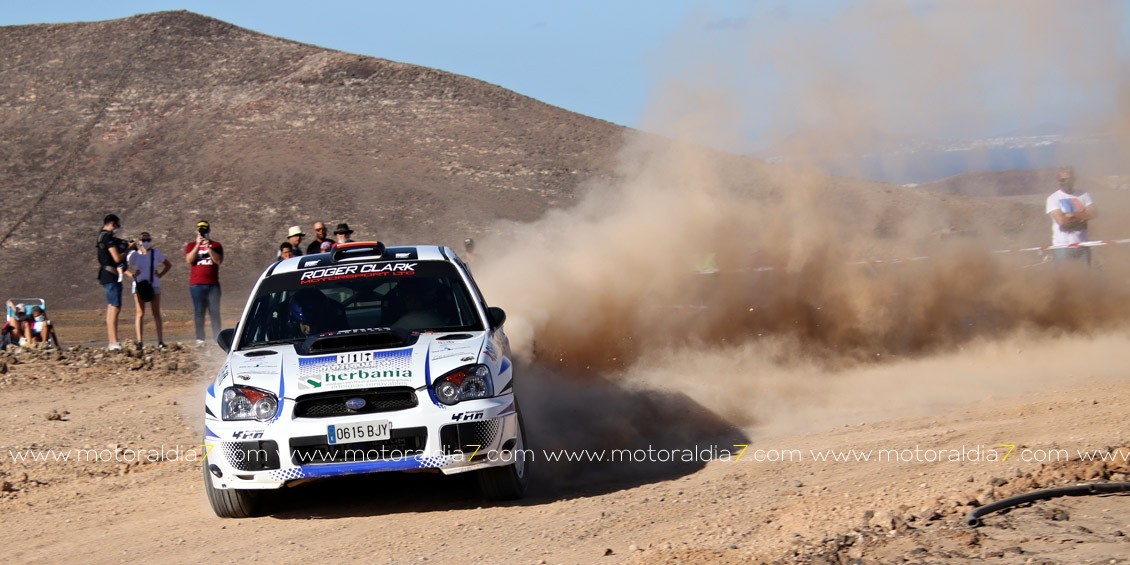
405, 442
251, 455
469, 437
329, 404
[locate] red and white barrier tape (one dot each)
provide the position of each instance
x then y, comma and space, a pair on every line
1095, 243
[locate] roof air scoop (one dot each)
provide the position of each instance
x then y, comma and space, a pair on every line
359, 250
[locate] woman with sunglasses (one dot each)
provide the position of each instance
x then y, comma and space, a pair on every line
148, 264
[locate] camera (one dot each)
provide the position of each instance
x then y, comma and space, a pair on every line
203, 231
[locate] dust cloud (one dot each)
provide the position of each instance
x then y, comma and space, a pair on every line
740, 287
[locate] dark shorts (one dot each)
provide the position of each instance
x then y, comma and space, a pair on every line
113, 294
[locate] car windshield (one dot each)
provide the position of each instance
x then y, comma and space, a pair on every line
416, 297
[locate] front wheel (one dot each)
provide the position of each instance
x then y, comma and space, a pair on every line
231, 503
509, 482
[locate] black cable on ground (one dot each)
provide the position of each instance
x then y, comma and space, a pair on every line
974, 518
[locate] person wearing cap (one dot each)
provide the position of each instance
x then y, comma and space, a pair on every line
343, 233
319, 238
204, 257
147, 263
111, 267
42, 330
294, 237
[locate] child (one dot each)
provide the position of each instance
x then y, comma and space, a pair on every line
42, 330
16, 328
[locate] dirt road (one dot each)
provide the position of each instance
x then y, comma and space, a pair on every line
779, 501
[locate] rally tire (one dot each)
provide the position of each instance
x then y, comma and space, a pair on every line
232, 503
509, 482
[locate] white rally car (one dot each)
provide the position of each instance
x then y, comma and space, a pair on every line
363, 360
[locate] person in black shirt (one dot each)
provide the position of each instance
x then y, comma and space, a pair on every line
111, 266
319, 237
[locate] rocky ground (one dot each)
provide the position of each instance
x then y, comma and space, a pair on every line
141, 495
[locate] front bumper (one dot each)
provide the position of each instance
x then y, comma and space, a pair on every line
471, 435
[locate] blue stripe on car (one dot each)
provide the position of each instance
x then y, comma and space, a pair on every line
282, 391
428, 376
364, 467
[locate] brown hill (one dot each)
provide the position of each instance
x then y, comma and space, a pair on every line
1008, 183
170, 117
997, 183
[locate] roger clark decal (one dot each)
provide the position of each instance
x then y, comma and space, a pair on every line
355, 370
358, 271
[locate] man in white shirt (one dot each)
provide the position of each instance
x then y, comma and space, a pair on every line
1070, 211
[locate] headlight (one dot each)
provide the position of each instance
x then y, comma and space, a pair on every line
464, 383
246, 403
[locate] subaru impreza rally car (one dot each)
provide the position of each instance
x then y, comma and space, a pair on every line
366, 359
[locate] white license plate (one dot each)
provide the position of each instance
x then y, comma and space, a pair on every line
361, 431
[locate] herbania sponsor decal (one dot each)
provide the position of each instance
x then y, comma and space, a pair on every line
355, 370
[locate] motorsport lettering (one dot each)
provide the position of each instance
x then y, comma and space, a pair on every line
372, 269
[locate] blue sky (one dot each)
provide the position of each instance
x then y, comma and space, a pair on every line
945, 68
592, 57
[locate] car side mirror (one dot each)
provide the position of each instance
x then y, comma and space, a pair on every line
497, 316
225, 339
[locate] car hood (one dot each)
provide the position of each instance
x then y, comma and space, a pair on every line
284, 371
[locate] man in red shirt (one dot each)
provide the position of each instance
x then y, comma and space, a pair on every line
204, 257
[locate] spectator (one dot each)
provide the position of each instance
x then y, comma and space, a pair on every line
286, 251
294, 236
42, 330
143, 266
327, 246
111, 267
1070, 212
204, 256
469, 247
319, 238
343, 233
16, 330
